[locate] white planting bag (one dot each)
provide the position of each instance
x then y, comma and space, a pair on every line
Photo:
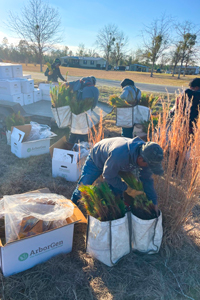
81, 123
62, 116
124, 117
146, 235
140, 114
108, 241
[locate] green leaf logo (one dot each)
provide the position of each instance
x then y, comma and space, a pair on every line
23, 256
29, 150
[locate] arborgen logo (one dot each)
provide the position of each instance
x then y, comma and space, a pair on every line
36, 148
23, 257
40, 250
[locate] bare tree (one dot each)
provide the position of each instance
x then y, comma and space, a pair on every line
38, 24
176, 56
187, 36
106, 40
120, 47
156, 39
81, 50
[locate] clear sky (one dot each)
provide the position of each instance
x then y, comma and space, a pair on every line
81, 19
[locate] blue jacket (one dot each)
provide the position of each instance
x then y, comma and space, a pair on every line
120, 154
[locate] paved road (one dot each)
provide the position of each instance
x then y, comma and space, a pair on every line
115, 83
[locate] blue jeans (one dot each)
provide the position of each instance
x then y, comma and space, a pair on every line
127, 132
89, 174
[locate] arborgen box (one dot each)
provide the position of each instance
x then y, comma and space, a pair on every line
28, 98
23, 254
10, 87
5, 71
37, 95
23, 149
17, 71
65, 163
18, 98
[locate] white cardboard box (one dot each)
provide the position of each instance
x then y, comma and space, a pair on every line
65, 163
23, 149
27, 86
21, 255
28, 98
46, 97
5, 71
37, 95
18, 98
45, 88
10, 87
17, 71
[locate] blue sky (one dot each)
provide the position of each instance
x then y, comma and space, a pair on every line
81, 19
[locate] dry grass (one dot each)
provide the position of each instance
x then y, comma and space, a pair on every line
179, 189
78, 276
163, 79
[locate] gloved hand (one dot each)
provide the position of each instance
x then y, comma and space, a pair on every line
133, 193
50, 72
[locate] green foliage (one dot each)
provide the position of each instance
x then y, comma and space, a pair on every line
101, 203
141, 207
116, 101
148, 124
148, 100
14, 120
62, 95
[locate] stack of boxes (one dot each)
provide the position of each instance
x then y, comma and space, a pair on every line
15, 87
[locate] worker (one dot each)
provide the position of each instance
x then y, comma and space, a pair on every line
85, 88
53, 71
110, 156
193, 95
132, 95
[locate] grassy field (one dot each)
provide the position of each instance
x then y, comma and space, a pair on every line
174, 274
163, 79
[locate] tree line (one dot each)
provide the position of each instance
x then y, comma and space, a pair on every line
166, 43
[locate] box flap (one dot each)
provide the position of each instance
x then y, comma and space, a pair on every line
65, 156
22, 130
61, 144
18, 134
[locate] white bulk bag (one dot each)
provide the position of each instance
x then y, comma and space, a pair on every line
146, 235
108, 241
62, 116
140, 114
81, 123
124, 117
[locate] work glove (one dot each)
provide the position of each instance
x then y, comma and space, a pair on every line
50, 72
133, 193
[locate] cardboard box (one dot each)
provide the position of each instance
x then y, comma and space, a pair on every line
19, 98
27, 86
23, 254
65, 163
17, 71
28, 98
23, 149
45, 88
5, 71
10, 87
37, 95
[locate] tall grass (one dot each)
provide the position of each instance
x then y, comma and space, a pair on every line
179, 189
96, 133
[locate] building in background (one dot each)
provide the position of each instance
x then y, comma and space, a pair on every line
190, 70
138, 68
83, 62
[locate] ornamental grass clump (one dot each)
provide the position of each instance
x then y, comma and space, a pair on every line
179, 189
116, 101
100, 202
62, 95
140, 206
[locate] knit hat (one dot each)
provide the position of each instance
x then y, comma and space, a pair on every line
152, 153
127, 82
57, 61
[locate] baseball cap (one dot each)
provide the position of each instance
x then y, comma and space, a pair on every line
152, 153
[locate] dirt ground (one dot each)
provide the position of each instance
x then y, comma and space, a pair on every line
170, 275
163, 79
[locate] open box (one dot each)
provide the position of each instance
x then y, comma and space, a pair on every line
23, 149
65, 163
23, 254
